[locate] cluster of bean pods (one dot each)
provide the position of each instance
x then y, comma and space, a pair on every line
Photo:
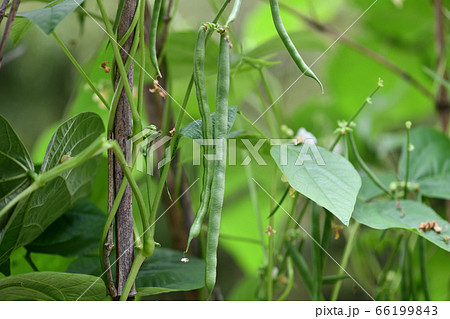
213, 189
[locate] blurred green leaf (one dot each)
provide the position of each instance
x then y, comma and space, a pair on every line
370, 190
385, 215
164, 272
333, 183
20, 26
89, 265
52, 286
48, 18
75, 233
429, 162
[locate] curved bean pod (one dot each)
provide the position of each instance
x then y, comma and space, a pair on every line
208, 166
284, 36
218, 184
153, 33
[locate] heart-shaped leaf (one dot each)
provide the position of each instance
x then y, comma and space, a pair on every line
325, 177
15, 163
429, 162
164, 272
35, 213
48, 18
76, 233
49, 286
385, 215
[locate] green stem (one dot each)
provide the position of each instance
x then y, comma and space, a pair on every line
423, 269
408, 152
139, 259
80, 69
40, 180
290, 284
390, 261
118, 58
271, 99
141, 203
345, 259
27, 192
142, 62
279, 203
110, 219
246, 119
302, 267
326, 237
354, 117
364, 166
282, 237
119, 88
316, 254
269, 276
30, 261
254, 198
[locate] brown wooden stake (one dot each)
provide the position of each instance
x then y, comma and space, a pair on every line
122, 130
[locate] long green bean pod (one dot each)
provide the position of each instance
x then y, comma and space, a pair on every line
284, 36
153, 33
218, 184
208, 166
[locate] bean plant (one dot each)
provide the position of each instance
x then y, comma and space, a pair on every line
108, 176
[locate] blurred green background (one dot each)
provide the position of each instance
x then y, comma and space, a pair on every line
40, 88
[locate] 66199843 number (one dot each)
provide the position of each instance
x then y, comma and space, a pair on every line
406, 310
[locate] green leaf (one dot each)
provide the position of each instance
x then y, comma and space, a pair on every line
385, 215
34, 214
326, 178
20, 28
429, 162
194, 129
164, 272
370, 190
5, 267
49, 286
75, 233
15, 163
89, 265
48, 18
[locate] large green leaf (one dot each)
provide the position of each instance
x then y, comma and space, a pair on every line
89, 265
194, 129
75, 233
35, 213
15, 163
164, 272
388, 214
50, 286
429, 162
48, 18
333, 183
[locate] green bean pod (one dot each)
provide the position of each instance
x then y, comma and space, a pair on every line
208, 166
284, 36
153, 33
218, 184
